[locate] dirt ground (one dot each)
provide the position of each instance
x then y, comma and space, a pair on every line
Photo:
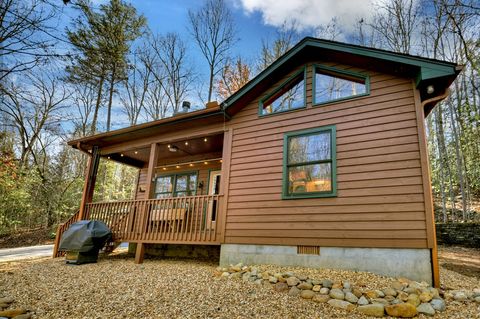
465, 261
28, 238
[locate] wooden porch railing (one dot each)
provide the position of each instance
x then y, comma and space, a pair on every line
189, 220
60, 230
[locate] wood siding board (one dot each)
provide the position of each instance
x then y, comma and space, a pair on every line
332, 242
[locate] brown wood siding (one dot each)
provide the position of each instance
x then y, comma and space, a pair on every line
380, 199
203, 175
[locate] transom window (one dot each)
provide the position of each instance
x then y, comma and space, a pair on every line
175, 185
333, 85
310, 163
289, 96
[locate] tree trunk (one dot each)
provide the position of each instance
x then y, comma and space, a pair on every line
110, 98
97, 104
438, 116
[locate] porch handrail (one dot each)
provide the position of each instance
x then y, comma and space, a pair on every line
186, 219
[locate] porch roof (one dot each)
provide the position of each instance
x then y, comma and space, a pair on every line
149, 129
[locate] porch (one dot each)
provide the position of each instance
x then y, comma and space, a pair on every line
180, 186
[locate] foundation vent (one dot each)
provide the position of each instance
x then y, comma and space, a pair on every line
308, 250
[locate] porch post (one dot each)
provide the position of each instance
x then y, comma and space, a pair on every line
225, 182
90, 179
152, 162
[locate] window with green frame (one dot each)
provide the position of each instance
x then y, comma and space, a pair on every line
289, 96
175, 185
309, 163
331, 85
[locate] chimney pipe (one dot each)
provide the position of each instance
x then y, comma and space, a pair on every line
185, 106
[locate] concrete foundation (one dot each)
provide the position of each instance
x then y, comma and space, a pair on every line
209, 252
410, 263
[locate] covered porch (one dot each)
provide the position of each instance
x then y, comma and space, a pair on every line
179, 196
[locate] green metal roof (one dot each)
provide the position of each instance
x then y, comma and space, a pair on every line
428, 69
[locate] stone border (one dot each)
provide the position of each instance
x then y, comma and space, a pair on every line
403, 298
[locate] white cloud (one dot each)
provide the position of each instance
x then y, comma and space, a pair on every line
310, 13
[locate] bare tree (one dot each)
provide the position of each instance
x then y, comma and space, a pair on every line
136, 88
170, 55
33, 108
26, 39
285, 38
213, 29
396, 21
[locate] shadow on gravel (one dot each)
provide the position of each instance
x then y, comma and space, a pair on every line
464, 269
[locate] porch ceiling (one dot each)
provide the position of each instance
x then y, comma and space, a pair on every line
187, 149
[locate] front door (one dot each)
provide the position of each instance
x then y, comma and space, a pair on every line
213, 189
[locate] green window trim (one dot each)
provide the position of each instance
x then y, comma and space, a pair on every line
295, 76
175, 175
333, 160
341, 74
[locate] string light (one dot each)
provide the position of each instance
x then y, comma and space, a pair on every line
177, 166
164, 168
121, 155
205, 139
205, 163
186, 143
108, 157
136, 152
190, 164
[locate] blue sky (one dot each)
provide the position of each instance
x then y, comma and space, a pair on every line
255, 20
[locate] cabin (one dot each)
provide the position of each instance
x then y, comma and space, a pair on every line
319, 161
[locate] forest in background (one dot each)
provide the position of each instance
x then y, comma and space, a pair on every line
62, 83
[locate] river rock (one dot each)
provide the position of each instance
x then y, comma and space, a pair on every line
380, 300
24, 316
316, 288
460, 296
305, 286
321, 298
302, 277
351, 297
10, 313
425, 297
272, 280
426, 309
390, 292
477, 299
374, 310
324, 291
403, 310
337, 294
307, 294
327, 283
402, 296
292, 281
371, 294
294, 291
357, 292
362, 301
7, 300
397, 285
347, 285
341, 304
280, 287
438, 304
413, 299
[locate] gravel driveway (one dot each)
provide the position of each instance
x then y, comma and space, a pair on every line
115, 287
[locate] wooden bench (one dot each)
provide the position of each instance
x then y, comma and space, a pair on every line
169, 215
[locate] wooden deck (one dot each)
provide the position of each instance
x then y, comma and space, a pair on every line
180, 220
169, 220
